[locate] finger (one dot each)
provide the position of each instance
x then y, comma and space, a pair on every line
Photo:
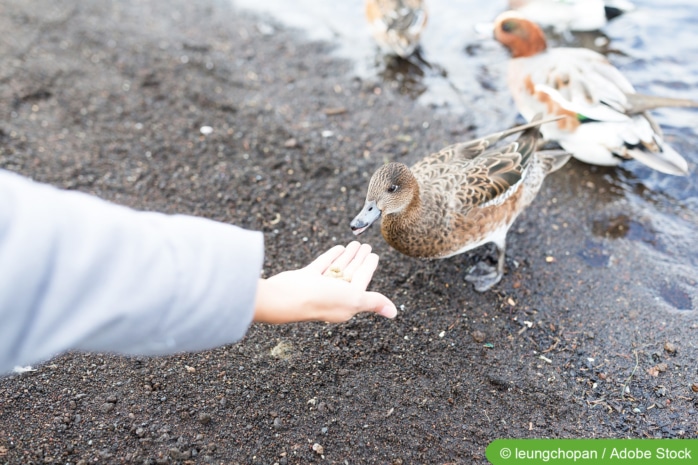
364, 273
321, 263
347, 256
356, 262
378, 303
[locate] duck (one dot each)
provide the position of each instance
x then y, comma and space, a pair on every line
605, 121
396, 25
457, 199
571, 15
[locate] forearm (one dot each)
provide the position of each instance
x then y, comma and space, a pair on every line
79, 273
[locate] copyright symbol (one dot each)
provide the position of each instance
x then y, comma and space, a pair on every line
505, 453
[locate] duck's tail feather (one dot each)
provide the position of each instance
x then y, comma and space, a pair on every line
536, 121
528, 140
554, 159
667, 160
615, 8
640, 103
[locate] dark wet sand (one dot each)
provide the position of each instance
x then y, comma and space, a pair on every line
109, 98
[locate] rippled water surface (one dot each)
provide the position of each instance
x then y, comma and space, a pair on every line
656, 46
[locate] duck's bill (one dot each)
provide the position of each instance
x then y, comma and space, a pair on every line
368, 215
359, 230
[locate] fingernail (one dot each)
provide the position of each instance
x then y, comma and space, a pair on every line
388, 311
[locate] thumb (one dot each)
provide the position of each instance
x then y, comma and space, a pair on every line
378, 303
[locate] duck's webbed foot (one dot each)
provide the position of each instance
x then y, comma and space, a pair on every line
483, 276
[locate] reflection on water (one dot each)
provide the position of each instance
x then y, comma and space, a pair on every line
463, 73
406, 75
676, 296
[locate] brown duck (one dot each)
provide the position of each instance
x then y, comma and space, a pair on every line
459, 198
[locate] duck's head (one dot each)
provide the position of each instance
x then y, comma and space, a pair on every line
391, 189
522, 37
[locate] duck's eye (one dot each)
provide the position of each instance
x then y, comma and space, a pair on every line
508, 26
392, 188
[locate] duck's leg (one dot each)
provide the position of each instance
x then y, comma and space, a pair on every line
484, 276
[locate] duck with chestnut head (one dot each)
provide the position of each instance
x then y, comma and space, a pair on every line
604, 121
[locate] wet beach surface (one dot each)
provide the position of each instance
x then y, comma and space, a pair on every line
591, 333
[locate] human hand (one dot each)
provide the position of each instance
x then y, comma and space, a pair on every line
312, 294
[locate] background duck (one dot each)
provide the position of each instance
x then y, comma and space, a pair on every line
605, 120
571, 15
396, 24
460, 198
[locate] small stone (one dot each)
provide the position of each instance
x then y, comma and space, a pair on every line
204, 418
334, 111
175, 454
670, 347
478, 336
324, 430
278, 424
140, 432
694, 387
206, 130
106, 407
112, 399
291, 143
318, 449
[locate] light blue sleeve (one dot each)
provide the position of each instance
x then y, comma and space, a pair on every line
77, 272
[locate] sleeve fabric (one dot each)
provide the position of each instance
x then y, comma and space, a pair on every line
77, 272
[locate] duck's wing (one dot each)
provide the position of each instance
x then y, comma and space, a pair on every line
491, 179
463, 184
476, 147
487, 179
495, 175
581, 84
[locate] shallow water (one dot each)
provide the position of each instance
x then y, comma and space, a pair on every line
656, 46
